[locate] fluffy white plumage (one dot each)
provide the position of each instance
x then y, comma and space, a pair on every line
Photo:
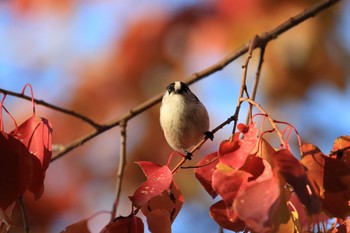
183, 118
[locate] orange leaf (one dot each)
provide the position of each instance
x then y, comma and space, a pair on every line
332, 175
341, 147
294, 173
159, 221
313, 160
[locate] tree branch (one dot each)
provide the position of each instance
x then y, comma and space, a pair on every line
261, 41
199, 145
243, 87
54, 107
256, 82
122, 163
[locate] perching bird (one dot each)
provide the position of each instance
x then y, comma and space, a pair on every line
183, 118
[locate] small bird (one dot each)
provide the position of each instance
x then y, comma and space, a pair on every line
183, 118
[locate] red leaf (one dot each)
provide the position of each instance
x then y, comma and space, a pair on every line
234, 153
254, 165
218, 212
227, 151
294, 173
257, 204
15, 170
259, 201
332, 176
170, 201
35, 133
337, 204
228, 184
159, 221
78, 227
242, 128
336, 175
154, 186
130, 224
148, 167
205, 172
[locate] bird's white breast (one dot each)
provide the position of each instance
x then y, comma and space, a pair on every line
183, 122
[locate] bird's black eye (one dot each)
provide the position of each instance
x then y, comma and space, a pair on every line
171, 88
177, 88
183, 88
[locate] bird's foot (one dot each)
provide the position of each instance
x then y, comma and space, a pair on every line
209, 135
188, 155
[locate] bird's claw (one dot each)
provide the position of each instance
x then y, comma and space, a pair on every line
188, 155
209, 135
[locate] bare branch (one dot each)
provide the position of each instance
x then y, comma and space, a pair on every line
243, 87
256, 82
54, 107
261, 41
122, 163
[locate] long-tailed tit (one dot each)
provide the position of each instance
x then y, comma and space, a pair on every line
183, 118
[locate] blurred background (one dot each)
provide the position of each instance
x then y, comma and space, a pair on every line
102, 58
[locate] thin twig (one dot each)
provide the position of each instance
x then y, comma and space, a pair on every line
125, 117
272, 121
54, 107
204, 165
122, 163
262, 41
243, 87
199, 145
24, 214
256, 82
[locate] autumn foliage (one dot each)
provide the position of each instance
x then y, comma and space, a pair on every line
25, 155
261, 188
256, 184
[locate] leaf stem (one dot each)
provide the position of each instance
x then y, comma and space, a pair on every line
272, 121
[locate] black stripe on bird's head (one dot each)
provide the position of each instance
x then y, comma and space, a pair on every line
177, 88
